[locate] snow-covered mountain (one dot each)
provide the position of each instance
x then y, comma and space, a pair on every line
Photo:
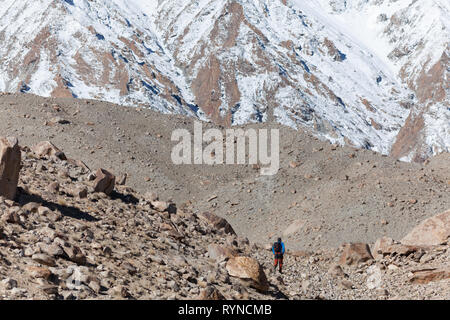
88, 49
373, 73
413, 38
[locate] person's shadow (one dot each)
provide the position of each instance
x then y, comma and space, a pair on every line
277, 293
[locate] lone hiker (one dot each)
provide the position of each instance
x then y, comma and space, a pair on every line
278, 252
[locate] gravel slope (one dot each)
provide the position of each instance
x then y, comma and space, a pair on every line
336, 194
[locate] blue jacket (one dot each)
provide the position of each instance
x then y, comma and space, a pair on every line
282, 248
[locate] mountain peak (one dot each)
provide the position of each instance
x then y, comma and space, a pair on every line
357, 72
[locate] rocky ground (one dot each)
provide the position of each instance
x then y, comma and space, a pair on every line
67, 235
61, 239
327, 194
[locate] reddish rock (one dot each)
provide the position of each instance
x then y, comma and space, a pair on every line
249, 271
44, 259
210, 293
217, 222
104, 181
355, 253
39, 272
388, 246
432, 231
48, 149
10, 158
429, 275
75, 254
293, 164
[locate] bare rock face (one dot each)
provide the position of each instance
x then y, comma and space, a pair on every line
249, 270
104, 181
217, 222
355, 253
432, 231
9, 167
48, 149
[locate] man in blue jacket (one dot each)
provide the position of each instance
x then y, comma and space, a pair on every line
278, 252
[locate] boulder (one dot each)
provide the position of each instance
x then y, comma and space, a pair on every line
335, 271
79, 192
374, 277
122, 179
79, 163
44, 259
164, 206
249, 271
430, 232
39, 272
210, 293
10, 216
53, 250
74, 254
31, 207
151, 196
428, 275
381, 247
220, 253
53, 187
160, 206
10, 157
217, 222
104, 181
355, 253
48, 149
388, 246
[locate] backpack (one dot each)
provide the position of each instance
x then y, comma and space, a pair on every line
277, 247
